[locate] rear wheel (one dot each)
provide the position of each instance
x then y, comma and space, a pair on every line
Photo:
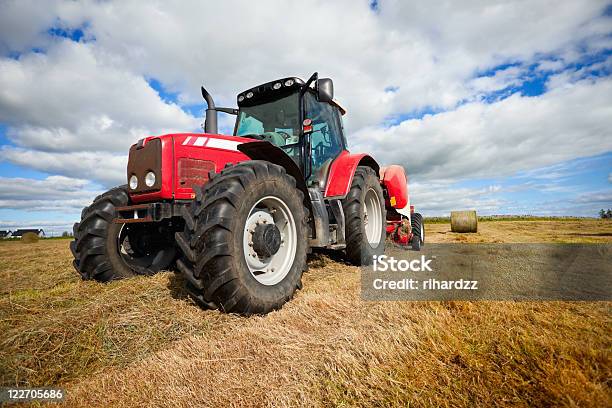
365, 214
106, 251
245, 239
418, 231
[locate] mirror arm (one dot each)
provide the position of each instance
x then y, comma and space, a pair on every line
312, 78
231, 111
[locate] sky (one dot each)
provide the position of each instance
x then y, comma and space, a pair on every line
500, 106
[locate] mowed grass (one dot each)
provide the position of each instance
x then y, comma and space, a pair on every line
532, 231
141, 342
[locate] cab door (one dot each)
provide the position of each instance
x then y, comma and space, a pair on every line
326, 139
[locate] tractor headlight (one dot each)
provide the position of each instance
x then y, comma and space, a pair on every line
150, 179
133, 182
277, 85
241, 98
289, 82
249, 95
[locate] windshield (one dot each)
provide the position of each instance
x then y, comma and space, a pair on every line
276, 121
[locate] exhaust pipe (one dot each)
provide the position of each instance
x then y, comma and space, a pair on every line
210, 123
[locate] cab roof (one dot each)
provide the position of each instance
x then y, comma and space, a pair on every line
273, 90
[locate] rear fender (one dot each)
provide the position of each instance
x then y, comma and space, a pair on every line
342, 171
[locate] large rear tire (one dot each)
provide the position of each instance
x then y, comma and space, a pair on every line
106, 251
365, 214
245, 239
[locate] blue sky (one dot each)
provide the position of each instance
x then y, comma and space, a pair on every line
80, 86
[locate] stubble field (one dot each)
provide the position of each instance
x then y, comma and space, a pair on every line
142, 342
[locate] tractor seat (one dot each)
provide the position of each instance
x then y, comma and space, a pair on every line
275, 138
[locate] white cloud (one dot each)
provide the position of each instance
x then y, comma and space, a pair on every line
427, 50
500, 80
75, 97
499, 139
603, 196
551, 65
74, 108
14, 34
436, 199
54, 193
567, 78
106, 168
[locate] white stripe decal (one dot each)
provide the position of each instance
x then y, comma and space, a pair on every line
187, 140
223, 144
200, 141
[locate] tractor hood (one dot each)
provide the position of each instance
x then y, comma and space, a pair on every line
179, 162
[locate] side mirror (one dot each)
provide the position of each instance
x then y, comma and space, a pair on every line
325, 90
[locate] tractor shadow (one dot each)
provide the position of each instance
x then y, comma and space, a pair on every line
317, 259
176, 286
321, 257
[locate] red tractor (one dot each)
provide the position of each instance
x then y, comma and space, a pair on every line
237, 214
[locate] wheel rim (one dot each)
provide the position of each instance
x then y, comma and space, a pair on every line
272, 269
372, 217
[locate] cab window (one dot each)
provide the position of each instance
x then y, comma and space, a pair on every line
326, 139
276, 121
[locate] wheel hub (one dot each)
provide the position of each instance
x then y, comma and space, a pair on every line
266, 240
269, 240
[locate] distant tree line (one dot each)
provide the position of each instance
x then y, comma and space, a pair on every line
605, 214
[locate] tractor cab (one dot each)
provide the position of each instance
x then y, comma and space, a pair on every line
299, 117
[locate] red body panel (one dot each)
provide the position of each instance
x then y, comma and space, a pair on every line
394, 179
219, 149
341, 174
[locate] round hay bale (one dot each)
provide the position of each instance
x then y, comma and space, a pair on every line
29, 238
464, 221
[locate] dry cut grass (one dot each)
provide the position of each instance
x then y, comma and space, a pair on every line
141, 342
566, 231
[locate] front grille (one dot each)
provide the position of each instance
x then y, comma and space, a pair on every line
143, 160
193, 171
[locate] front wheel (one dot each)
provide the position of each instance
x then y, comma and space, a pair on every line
106, 251
245, 239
